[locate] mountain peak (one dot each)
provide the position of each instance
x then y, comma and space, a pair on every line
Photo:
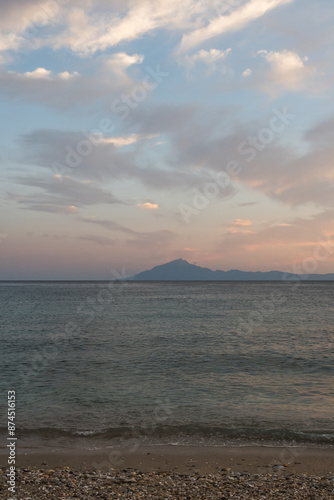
178, 269
182, 270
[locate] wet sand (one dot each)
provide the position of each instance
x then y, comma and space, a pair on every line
185, 459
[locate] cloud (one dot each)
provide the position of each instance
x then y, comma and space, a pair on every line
321, 135
295, 238
241, 223
209, 57
286, 69
89, 30
236, 20
39, 206
68, 89
87, 27
126, 141
27, 25
84, 27
39, 73
278, 244
17, 14
98, 240
46, 74
296, 178
280, 170
148, 206
108, 224
119, 62
195, 150
189, 132
154, 240
71, 209
239, 226
45, 148
41, 86
247, 204
61, 194
140, 239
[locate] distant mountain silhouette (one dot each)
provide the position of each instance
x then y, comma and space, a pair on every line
181, 270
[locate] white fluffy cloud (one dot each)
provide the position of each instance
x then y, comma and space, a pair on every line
208, 57
46, 74
286, 69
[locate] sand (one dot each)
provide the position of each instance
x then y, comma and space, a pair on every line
185, 459
249, 472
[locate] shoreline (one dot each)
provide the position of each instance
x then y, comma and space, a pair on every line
171, 472
184, 459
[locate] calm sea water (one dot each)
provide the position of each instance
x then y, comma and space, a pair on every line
170, 362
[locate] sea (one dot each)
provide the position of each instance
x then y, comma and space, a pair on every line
97, 364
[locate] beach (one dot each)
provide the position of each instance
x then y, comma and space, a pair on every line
245, 472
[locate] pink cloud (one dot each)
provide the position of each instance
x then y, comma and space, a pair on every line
241, 223
148, 206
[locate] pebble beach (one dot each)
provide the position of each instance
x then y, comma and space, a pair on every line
182, 472
64, 483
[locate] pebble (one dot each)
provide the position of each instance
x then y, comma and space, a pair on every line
66, 484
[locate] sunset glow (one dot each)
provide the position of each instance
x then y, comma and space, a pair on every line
138, 132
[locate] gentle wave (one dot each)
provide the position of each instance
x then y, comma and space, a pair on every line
187, 433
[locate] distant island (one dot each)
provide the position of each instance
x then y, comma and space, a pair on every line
181, 270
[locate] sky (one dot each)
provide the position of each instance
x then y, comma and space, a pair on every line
138, 132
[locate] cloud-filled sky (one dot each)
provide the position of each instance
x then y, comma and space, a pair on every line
136, 132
